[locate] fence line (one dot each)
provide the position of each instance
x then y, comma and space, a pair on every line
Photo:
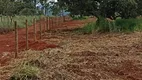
48, 24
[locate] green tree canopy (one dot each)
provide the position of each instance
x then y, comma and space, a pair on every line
12, 7
105, 8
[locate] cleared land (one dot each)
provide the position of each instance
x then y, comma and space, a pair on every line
110, 56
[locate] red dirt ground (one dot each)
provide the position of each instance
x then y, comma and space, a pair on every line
7, 41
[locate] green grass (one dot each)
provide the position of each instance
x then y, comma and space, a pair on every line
126, 25
88, 28
5, 22
138, 27
118, 25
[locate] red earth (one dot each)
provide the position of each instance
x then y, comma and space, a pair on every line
7, 41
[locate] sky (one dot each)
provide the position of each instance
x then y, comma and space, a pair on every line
53, 0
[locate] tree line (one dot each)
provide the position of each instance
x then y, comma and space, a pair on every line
105, 8
20, 7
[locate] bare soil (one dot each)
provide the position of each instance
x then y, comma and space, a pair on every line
7, 41
109, 56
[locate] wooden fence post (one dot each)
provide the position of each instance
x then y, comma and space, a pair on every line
56, 21
52, 22
16, 39
60, 23
44, 24
40, 29
48, 23
34, 21
27, 43
11, 19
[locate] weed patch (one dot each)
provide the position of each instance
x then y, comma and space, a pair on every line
25, 72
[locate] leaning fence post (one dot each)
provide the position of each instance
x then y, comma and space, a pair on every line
16, 39
27, 43
34, 21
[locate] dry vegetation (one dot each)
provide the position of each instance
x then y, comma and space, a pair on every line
84, 57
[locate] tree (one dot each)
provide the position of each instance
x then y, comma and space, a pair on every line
104, 8
55, 8
12, 7
139, 2
6, 7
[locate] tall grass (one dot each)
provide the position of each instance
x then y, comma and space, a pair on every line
8, 22
88, 28
103, 25
126, 25
119, 25
138, 27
